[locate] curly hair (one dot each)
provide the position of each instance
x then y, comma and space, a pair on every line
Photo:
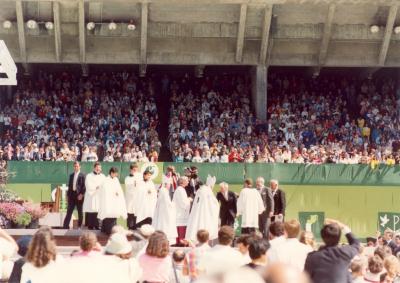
158, 245
42, 249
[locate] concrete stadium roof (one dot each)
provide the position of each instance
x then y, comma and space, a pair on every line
205, 32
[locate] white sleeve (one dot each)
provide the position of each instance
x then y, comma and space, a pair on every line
261, 207
240, 204
180, 198
90, 188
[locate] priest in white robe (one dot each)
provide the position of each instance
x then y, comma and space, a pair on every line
182, 203
165, 215
93, 182
131, 194
146, 200
204, 213
112, 202
249, 205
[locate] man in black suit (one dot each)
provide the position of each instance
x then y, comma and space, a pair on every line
331, 262
279, 201
75, 194
264, 219
227, 200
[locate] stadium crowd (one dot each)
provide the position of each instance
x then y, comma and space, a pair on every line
110, 117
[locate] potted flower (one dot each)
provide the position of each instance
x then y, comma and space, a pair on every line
11, 210
36, 212
22, 220
4, 222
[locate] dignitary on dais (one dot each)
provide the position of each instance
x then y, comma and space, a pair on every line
132, 182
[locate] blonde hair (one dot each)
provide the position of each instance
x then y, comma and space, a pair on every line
307, 237
392, 265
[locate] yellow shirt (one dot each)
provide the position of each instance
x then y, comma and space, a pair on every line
390, 161
366, 131
374, 163
361, 123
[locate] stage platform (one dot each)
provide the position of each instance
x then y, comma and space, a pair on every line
64, 237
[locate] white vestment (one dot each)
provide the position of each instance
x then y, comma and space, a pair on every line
112, 201
165, 215
131, 191
182, 204
93, 183
250, 205
204, 214
146, 200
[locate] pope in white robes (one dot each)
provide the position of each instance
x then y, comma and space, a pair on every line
146, 200
131, 194
250, 206
93, 182
112, 202
204, 213
165, 215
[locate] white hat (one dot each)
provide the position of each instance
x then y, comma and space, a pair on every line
118, 244
146, 230
121, 230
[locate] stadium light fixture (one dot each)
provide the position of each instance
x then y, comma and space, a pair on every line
396, 30
131, 26
31, 24
374, 29
49, 25
7, 24
90, 25
112, 26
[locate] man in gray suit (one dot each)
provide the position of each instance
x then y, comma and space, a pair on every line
264, 220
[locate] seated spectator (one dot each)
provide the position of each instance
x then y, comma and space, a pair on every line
243, 243
307, 238
258, 248
276, 234
156, 262
357, 268
89, 245
177, 274
192, 259
23, 244
374, 271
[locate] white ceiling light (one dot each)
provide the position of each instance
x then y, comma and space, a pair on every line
49, 25
397, 30
90, 25
131, 26
112, 26
374, 29
31, 24
7, 24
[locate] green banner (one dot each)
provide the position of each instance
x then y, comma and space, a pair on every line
389, 220
312, 222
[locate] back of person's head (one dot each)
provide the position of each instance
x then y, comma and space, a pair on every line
87, 241
258, 247
383, 252
277, 229
248, 183
42, 249
226, 234
375, 264
330, 234
203, 236
244, 240
307, 237
158, 245
178, 256
292, 228
23, 244
392, 265
357, 266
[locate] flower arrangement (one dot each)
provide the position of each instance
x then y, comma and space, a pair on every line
4, 222
11, 210
34, 210
8, 196
23, 219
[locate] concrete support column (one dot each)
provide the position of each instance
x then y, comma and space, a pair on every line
259, 75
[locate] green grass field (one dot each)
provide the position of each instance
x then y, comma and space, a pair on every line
357, 206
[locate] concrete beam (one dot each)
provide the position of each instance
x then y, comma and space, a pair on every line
265, 33
143, 32
21, 31
388, 34
82, 31
323, 51
241, 30
57, 30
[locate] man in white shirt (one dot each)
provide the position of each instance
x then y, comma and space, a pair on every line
131, 194
182, 204
276, 234
290, 251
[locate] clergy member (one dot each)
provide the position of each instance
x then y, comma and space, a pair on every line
93, 182
250, 206
165, 214
182, 204
204, 213
146, 200
112, 202
131, 194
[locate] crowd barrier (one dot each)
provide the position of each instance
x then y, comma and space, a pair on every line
234, 173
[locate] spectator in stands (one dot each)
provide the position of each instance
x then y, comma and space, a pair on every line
330, 264
156, 258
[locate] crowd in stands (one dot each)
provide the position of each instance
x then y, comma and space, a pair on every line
64, 117
145, 255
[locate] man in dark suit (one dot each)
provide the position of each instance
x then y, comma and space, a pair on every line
75, 194
227, 200
279, 201
331, 262
264, 219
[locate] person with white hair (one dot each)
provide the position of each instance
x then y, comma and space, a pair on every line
227, 201
279, 198
264, 219
182, 205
